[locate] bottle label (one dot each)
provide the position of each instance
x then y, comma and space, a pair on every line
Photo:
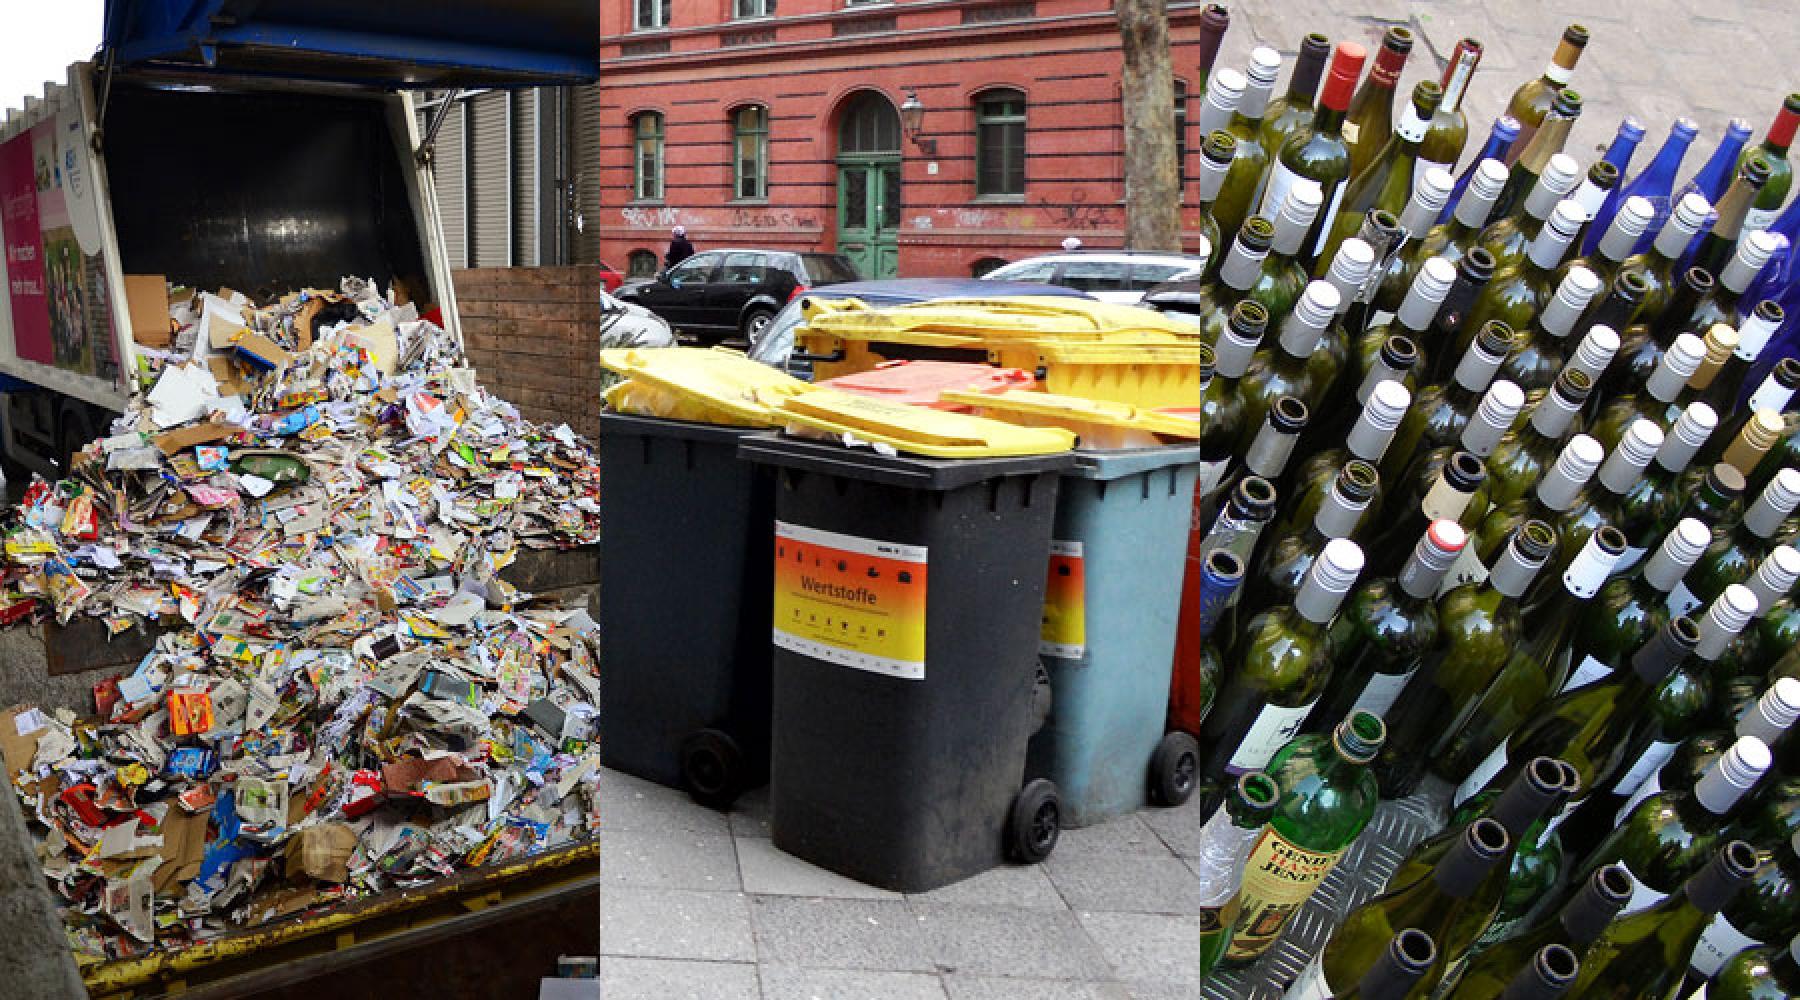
1279, 875
1769, 396
1422, 165
1281, 181
1063, 634
1466, 569
1445, 503
1378, 695
1641, 781
1411, 128
1479, 778
1273, 728
1584, 577
1718, 944
1329, 215
1311, 984
1759, 218
1350, 131
1642, 896
1590, 671
1682, 600
1211, 475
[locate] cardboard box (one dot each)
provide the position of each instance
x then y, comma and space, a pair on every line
147, 301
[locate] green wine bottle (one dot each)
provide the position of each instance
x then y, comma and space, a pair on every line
1367, 441
1645, 953
1282, 569
1523, 454
1600, 181
1656, 396
1296, 367
1480, 624
1531, 102
1280, 665
1240, 523
1451, 239
1251, 158
1553, 500
1773, 577
1630, 609
1449, 132
1269, 450
1225, 840
1498, 408
1760, 974
1327, 797
1753, 331
1381, 232
1516, 224
1317, 157
1216, 157
1369, 121
1531, 794
1532, 165
1651, 508
1725, 303
1386, 628
1541, 350
1622, 302
1628, 226
1731, 557
1395, 975
1294, 110
1459, 478
1441, 412
1622, 471
1761, 914
1667, 838
1535, 668
1447, 905
1720, 242
1577, 925
1774, 150
1221, 404
1386, 181
1587, 726
1519, 291
1239, 270
1284, 273
1412, 321
1657, 264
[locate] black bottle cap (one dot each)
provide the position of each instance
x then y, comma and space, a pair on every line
1289, 414
1464, 471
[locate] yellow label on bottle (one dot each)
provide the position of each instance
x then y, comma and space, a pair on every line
1278, 877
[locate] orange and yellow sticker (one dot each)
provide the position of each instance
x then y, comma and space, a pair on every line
852, 601
1064, 634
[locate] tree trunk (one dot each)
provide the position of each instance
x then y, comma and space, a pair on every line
1152, 184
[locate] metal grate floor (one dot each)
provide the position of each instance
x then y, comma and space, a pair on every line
1397, 826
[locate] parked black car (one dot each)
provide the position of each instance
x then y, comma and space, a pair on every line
720, 294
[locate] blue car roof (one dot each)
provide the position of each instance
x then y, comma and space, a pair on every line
923, 289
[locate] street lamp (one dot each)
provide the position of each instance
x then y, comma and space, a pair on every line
912, 120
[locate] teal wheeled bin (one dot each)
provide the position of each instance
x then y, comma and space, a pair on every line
1110, 608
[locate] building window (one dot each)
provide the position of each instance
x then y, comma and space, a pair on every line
870, 125
1000, 143
655, 14
640, 264
647, 163
751, 132
754, 8
1181, 132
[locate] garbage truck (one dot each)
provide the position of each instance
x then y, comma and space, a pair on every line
260, 146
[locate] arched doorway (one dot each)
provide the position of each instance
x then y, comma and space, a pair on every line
869, 184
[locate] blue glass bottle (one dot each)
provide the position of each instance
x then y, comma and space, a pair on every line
1500, 139
1713, 179
1783, 269
1657, 182
1624, 147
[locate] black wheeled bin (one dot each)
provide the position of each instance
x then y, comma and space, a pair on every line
686, 532
908, 595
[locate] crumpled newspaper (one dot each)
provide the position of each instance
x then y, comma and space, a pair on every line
314, 499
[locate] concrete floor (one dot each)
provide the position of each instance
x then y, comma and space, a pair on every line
697, 904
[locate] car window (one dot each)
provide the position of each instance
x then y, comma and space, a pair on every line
1093, 275
695, 270
1144, 276
1038, 271
742, 269
827, 268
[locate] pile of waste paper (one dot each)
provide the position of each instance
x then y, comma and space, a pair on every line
313, 500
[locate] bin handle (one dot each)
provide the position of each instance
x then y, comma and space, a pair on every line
818, 359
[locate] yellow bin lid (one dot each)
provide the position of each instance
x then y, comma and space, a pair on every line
1028, 317
1101, 424
699, 385
915, 430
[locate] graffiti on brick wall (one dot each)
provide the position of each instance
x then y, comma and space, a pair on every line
1077, 215
650, 218
772, 218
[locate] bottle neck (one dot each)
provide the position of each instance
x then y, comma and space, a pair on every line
1308, 67
1457, 76
1328, 121
1585, 916
1242, 266
1512, 573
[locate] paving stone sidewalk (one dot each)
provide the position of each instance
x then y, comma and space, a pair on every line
696, 905
1654, 59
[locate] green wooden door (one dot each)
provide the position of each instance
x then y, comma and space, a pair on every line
869, 215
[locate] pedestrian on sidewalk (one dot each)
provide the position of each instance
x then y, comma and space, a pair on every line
679, 247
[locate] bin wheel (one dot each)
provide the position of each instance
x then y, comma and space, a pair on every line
1174, 770
712, 768
1036, 822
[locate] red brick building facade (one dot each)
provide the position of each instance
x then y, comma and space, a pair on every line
785, 130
